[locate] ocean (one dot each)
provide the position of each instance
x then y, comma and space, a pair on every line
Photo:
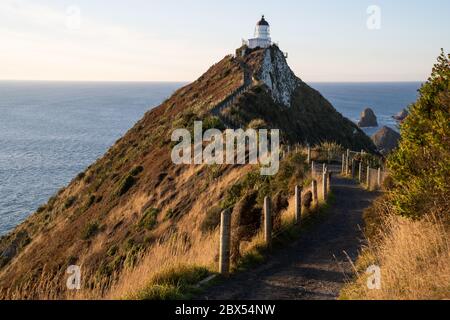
51, 131
384, 98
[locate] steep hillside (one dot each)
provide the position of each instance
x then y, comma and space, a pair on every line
134, 205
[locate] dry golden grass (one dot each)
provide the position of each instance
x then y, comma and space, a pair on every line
201, 251
171, 255
414, 257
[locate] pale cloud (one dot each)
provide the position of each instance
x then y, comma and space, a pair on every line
30, 13
36, 44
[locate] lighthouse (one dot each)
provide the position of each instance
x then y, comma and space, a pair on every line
262, 35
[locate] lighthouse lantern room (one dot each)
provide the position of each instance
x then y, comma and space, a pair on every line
262, 35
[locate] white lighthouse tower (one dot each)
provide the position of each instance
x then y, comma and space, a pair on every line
262, 35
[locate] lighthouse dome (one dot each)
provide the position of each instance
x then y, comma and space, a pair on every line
262, 22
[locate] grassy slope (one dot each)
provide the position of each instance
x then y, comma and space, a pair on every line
95, 220
133, 213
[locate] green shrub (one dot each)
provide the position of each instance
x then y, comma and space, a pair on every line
106, 269
132, 255
136, 171
41, 209
112, 251
212, 123
81, 176
159, 293
126, 184
420, 166
51, 202
90, 231
149, 219
129, 181
170, 214
69, 202
291, 170
211, 220
330, 151
173, 284
89, 202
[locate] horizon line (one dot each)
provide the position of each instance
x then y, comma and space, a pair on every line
191, 81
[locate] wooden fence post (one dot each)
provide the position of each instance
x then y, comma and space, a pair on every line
368, 178
328, 181
309, 154
267, 222
298, 204
353, 168
314, 192
347, 162
225, 242
324, 168
324, 185
379, 178
343, 164
360, 172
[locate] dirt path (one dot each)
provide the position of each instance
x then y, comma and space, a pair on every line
315, 266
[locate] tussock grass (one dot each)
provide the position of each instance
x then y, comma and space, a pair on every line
169, 270
173, 284
414, 257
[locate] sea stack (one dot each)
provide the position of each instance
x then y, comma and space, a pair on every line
386, 140
368, 119
401, 115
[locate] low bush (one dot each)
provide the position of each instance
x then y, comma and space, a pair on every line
149, 219
173, 284
211, 220
69, 202
90, 230
128, 181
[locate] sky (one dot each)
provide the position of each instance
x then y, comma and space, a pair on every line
168, 40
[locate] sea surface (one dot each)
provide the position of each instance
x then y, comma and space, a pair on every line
51, 131
384, 98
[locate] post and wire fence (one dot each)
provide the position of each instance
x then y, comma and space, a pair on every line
362, 167
319, 189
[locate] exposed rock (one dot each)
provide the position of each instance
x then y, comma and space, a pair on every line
278, 76
246, 221
386, 140
280, 203
401, 115
282, 100
307, 199
368, 119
